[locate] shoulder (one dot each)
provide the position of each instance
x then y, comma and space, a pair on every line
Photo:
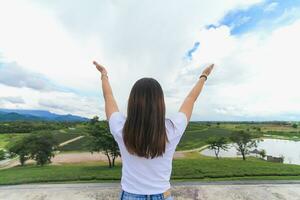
116, 122
177, 122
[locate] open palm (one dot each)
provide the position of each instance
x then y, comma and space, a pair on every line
208, 69
100, 68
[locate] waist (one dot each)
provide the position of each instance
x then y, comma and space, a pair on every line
144, 186
127, 195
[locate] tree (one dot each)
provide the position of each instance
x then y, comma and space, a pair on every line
295, 125
244, 142
217, 144
262, 153
42, 147
38, 146
20, 148
2, 154
103, 141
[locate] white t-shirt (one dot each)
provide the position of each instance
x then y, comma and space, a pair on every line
148, 176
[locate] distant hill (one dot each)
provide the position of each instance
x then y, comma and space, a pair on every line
36, 115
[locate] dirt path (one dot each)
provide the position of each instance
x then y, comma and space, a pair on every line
251, 190
69, 141
192, 150
88, 157
77, 157
15, 162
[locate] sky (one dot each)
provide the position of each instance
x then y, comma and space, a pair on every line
47, 48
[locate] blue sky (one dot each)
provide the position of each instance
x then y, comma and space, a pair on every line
261, 16
252, 43
264, 16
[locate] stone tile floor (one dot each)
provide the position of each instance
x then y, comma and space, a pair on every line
191, 190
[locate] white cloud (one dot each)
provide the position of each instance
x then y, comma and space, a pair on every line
12, 74
256, 76
134, 39
12, 99
271, 7
54, 101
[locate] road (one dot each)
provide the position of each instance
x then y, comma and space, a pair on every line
80, 156
233, 190
69, 141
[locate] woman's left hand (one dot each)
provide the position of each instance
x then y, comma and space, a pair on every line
100, 68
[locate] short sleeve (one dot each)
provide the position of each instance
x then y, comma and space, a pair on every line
116, 123
180, 122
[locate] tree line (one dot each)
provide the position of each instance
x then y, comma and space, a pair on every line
30, 126
41, 147
243, 141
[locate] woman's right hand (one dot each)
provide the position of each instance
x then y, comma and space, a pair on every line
208, 70
100, 68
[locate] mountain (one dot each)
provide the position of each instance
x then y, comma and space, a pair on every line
36, 115
17, 117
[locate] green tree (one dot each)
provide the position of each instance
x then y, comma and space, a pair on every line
20, 148
42, 147
244, 142
217, 144
39, 147
262, 153
295, 125
2, 154
103, 141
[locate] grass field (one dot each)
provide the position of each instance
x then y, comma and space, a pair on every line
264, 127
78, 145
196, 135
60, 135
9, 137
195, 167
192, 167
198, 138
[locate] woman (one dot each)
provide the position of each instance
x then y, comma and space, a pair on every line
147, 140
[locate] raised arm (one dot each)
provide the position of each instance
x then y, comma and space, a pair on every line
110, 102
188, 104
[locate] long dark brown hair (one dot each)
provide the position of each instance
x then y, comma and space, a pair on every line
144, 132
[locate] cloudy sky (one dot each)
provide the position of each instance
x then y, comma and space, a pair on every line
47, 49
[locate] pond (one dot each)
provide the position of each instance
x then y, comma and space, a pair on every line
289, 149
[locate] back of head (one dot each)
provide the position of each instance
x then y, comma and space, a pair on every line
144, 131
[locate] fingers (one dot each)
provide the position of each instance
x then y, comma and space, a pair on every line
98, 66
208, 69
95, 63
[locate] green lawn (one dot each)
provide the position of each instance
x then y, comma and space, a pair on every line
60, 135
293, 135
10, 137
195, 167
64, 136
197, 134
194, 138
78, 145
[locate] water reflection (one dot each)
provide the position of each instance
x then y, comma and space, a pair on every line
290, 150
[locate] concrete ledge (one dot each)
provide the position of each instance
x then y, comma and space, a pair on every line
229, 190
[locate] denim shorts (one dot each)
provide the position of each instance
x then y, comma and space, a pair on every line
130, 196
